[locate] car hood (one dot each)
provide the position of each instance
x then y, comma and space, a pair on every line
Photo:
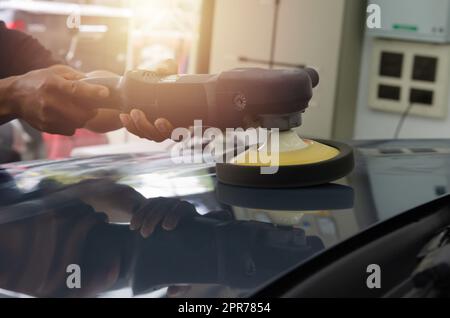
208, 239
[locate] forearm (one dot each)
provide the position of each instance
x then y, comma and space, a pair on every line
107, 196
7, 112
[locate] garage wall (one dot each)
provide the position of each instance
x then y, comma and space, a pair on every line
309, 33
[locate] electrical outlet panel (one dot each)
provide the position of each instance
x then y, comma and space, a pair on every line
407, 74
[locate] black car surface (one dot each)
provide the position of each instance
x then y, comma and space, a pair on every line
191, 236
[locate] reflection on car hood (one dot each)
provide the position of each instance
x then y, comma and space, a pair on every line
192, 236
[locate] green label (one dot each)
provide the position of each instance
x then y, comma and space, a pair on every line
405, 27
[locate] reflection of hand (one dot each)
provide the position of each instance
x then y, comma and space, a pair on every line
137, 123
58, 231
106, 196
177, 291
164, 211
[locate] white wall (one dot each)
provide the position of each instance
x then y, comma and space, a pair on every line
309, 32
371, 124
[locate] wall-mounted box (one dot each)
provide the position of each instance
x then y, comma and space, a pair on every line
409, 73
418, 20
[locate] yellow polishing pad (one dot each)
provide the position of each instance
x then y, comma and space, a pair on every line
311, 152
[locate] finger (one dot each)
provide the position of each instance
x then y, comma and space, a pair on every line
54, 123
73, 76
76, 116
164, 127
144, 127
68, 72
95, 74
139, 216
173, 217
83, 90
128, 123
66, 113
75, 122
152, 218
155, 215
151, 221
136, 220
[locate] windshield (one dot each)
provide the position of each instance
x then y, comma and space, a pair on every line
138, 226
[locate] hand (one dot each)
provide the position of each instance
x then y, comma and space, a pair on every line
178, 291
107, 196
137, 123
167, 211
53, 100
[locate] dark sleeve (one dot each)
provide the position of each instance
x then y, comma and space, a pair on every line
21, 53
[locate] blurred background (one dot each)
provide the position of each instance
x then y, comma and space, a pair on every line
113, 35
385, 83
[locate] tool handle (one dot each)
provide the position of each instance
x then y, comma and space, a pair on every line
179, 98
115, 99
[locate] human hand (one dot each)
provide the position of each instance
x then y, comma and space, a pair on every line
53, 100
137, 123
165, 211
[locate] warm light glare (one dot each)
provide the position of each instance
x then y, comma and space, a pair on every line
165, 29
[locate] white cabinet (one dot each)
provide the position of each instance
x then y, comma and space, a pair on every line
309, 32
242, 28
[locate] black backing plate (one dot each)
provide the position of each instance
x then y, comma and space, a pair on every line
291, 176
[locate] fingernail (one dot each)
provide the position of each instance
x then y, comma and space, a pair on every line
146, 233
136, 115
170, 227
125, 119
162, 127
104, 92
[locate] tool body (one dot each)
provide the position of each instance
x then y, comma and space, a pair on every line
223, 100
274, 99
